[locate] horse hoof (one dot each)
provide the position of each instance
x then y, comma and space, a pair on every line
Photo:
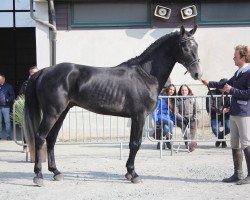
128, 176
38, 181
58, 177
136, 180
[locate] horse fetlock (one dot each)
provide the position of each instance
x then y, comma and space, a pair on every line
38, 172
53, 170
130, 168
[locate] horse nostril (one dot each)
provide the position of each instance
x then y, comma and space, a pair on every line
196, 75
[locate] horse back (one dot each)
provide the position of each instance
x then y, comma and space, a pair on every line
120, 91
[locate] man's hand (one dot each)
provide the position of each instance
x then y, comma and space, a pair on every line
205, 82
227, 88
225, 110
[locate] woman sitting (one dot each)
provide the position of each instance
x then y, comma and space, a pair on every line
163, 115
186, 110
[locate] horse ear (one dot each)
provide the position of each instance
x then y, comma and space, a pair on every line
182, 31
193, 30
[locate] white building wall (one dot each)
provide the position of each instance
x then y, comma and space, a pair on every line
110, 47
42, 35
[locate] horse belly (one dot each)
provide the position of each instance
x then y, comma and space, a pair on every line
105, 100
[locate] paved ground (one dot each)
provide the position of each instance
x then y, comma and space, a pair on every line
96, 172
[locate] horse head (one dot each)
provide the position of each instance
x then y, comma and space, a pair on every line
188, 53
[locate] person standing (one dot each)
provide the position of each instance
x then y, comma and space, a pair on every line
218, 109
7, 95
32, 70
239, 87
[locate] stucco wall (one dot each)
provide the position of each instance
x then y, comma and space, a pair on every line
42, 36
110, 47
113, 46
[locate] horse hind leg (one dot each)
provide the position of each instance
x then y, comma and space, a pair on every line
51, 140
45, 126
134, 146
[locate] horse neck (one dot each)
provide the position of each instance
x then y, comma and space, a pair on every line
160, 62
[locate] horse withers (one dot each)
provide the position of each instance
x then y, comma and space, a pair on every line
127, 90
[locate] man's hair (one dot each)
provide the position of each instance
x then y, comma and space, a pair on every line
244, 51
2, 75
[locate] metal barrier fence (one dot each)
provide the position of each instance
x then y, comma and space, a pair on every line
82, 126
203, 132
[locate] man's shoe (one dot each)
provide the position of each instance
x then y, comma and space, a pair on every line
223, 144
247, 157
237, 176
238, 173
159, 145
168, 144
217, 143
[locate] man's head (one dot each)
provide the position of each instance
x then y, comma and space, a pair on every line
33, 70
2, 79
241, 55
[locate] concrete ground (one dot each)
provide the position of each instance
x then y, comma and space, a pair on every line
96, 172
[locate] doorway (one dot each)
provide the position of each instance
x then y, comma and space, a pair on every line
17, 54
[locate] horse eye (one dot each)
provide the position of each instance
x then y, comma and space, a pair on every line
185, 48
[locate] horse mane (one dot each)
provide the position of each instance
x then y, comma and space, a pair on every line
150, 49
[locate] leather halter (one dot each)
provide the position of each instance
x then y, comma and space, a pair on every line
193, 61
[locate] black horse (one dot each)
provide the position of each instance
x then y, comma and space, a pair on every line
128, 90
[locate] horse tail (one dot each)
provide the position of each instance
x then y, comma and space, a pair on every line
32, 113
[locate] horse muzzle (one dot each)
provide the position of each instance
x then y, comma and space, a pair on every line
196, 72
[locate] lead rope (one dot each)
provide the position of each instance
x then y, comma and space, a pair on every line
214, 100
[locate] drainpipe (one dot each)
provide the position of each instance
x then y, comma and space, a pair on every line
51, 26
53, 22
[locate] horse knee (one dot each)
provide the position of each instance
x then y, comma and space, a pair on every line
135, 145
39, 141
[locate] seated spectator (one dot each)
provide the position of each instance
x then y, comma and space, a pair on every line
218, 108
163, 115
186, 110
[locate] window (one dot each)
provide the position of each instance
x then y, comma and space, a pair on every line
224, 13
110, 14
8, 19
15, 13
6, 5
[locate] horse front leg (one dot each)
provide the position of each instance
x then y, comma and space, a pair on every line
134, 146
51, 140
